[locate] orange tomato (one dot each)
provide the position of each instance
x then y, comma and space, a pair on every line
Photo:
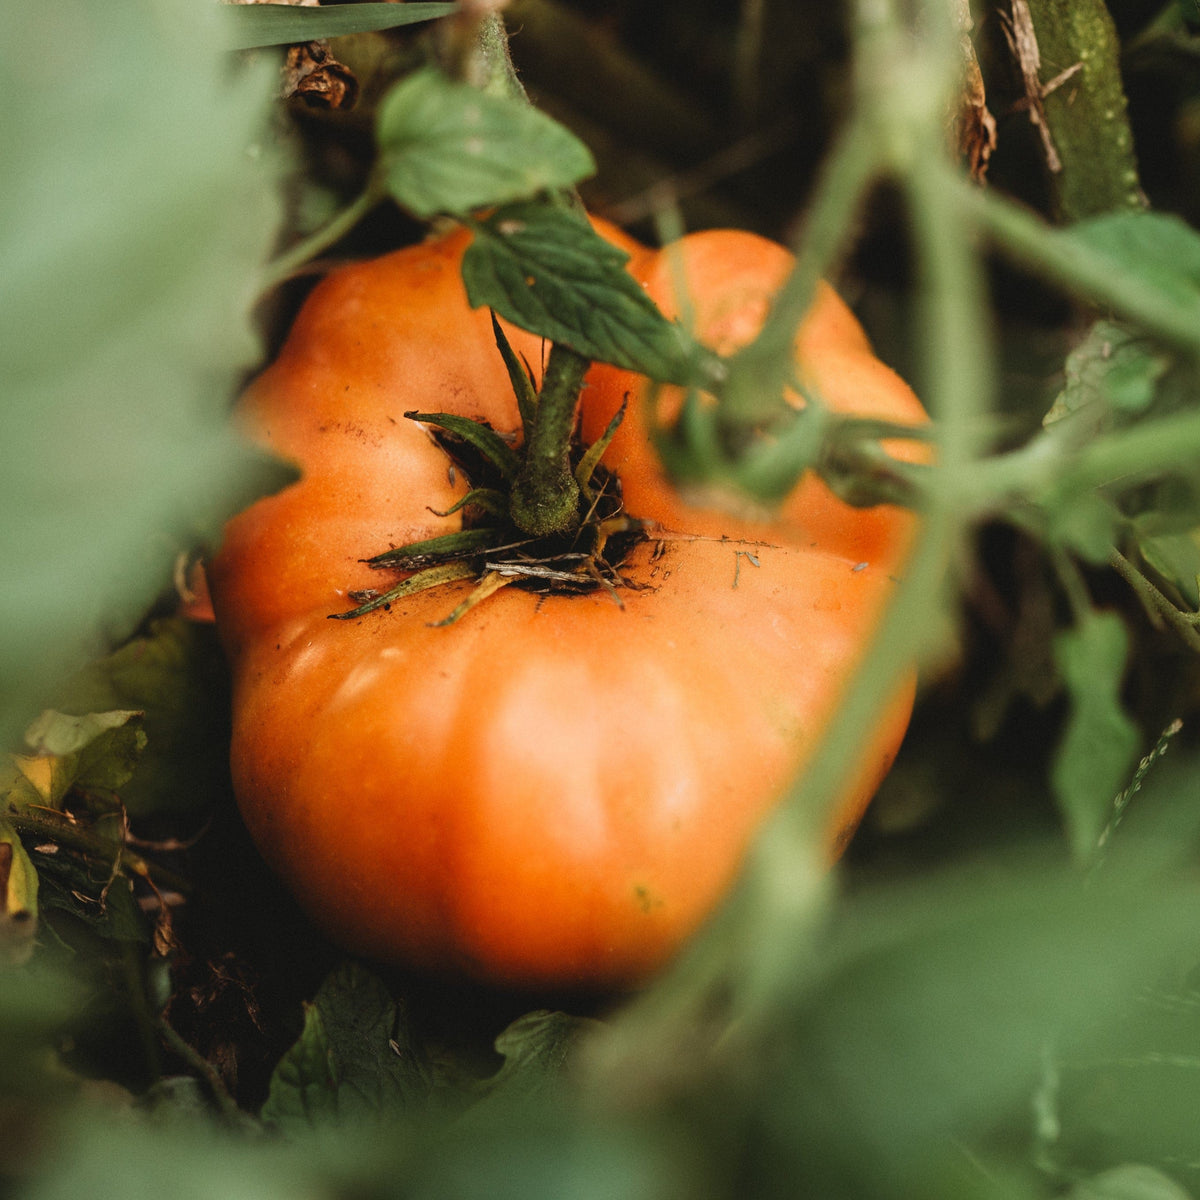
556, 790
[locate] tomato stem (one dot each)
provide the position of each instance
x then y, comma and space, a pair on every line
545, 494
1091, 164
61, 831
760, 372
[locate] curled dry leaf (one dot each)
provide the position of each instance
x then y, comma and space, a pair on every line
973, 126
311, 72
319, 79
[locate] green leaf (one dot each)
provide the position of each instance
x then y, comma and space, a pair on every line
1175, 558
936, 1001
459, 544
519, 376
253, 25
138, 204
98, 751
549, 272
422, 581
537, 1049
1084, 522
1129, 1182
303, 1089
112, 1155
447, 147
1159, 249
1139, 1081
91, 892
491, 500
35, 1000
481, 437
1100, 743
176, 675
18, 897
590, 459
1112, 371
354, 1062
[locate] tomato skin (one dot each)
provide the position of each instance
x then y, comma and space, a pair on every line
555, 790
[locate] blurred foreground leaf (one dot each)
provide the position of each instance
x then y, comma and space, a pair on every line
34, 1002
536, 1049
1113, 372
1162, 250
1130, 1182
927, 1028
1100, 743
136, 209
103, 1159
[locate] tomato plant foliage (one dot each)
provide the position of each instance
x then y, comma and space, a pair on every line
125, 320
548, 271
449, 148
995, 995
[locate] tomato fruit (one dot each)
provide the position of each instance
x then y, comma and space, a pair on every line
555, 790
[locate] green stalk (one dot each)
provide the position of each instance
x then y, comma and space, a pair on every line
291, 260
752, 954
759, 373
59, 830
545, 495
1089, 124
1056, 257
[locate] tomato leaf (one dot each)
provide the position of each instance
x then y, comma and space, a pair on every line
18, 897
1162, 250
136, 210
303, 1089
355, 1060
90, 892
458, 544
1112, 371
96, 751
1101, 742
1130, 1181
537, 1049
176, 675
937, 1002
447, 147
549, 272
35, 1001
519, 376
1175, 558
483, 438
255, 25
1085, 522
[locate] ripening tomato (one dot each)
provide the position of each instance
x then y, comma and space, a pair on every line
556, 790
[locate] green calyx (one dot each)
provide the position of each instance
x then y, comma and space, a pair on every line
544, 515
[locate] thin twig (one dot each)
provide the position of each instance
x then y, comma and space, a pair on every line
221, 1095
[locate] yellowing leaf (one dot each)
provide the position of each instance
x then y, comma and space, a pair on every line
19, 893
